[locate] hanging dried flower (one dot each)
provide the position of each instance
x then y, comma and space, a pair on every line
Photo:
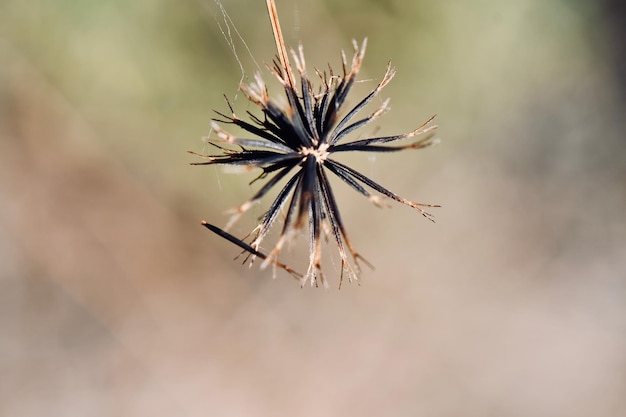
300, 140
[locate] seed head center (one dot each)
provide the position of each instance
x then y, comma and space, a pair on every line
320, 153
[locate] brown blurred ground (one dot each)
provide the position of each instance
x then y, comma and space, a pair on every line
114, 301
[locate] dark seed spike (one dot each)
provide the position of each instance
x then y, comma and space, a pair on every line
261, 176
307, 191
252, 143
388, 76
320, 115
386, 139
307, 95
261, 123
293, 205
344, 176
339, 134
281, 164
269, 126
309, 115
332, 110
298, 118
324, 186
277, 69
420, 144
322, 107
230, 106
239, 211
256, 143
250, 159
288, 228
272, 212
249, 127
291, 128
345, 84
297, 113
278, 117
269, 184
243, 245
334, 209
388, 193
315, 244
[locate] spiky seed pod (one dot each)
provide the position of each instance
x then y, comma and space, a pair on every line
300, 140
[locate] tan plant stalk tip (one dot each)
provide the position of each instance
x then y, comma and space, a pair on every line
280, 43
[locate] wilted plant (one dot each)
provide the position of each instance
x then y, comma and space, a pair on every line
300, 139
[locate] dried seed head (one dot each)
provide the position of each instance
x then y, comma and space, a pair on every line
297, 144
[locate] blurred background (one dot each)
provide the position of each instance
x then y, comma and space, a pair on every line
115, 301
